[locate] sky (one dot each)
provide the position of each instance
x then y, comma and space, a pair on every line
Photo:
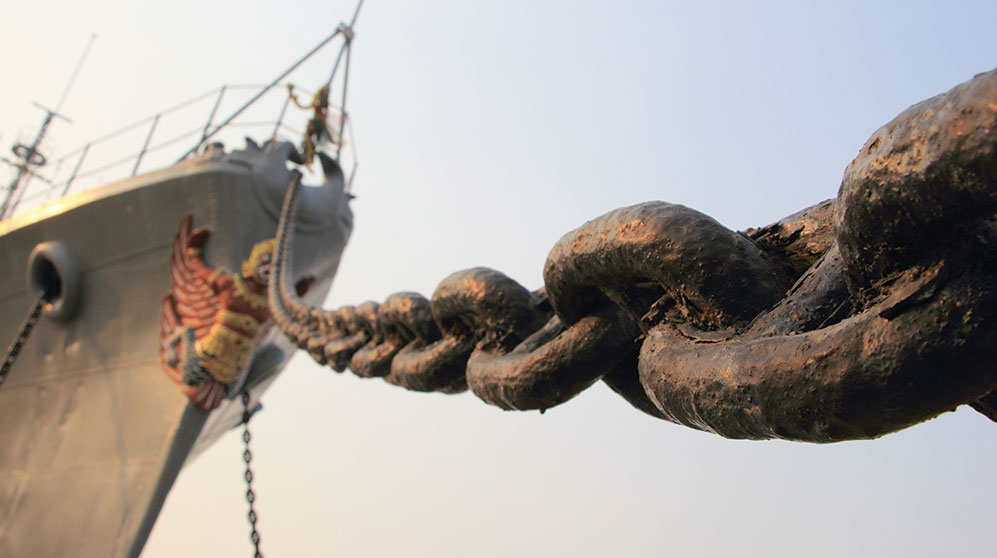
484, 132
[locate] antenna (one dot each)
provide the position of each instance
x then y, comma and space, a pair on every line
29, 157
72, 78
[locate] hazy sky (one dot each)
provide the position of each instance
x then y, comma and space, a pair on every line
485, 131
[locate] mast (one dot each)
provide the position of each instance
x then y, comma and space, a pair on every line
29, 157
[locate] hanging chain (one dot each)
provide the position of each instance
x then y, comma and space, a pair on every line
840, 322
22, 335
247, 456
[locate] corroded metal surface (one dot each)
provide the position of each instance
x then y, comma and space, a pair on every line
850, 319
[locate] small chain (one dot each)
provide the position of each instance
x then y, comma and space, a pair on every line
22, 336
247, 456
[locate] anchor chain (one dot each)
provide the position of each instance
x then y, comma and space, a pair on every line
247, 457
22, 335
851, 319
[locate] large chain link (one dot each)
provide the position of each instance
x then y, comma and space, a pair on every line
850, 319
22, 336
247, 457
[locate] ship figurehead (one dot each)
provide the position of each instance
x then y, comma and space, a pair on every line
213, 320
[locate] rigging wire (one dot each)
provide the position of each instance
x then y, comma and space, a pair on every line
72, 78
262, 92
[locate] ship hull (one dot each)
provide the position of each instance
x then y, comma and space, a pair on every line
94, 432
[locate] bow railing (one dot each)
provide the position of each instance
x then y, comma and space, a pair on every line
158, 140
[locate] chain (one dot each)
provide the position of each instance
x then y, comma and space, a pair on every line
247, 456
851, 319
22, 335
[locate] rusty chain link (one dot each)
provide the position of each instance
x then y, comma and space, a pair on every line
22, 336
851, 319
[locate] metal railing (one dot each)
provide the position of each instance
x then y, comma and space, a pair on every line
90, 168
82, 158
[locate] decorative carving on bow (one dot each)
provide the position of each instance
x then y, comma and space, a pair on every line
212, 320
851, 319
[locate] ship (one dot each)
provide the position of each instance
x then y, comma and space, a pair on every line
137, 336
368, 470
